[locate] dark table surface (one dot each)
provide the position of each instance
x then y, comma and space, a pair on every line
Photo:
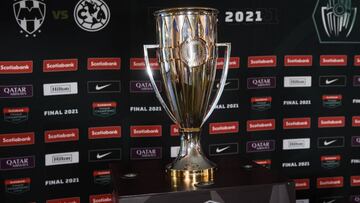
151, 177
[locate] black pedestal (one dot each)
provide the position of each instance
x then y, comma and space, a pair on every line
234, 182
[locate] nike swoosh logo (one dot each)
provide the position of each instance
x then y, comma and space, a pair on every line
218, 85
219, 150
328, 82
97, 87
98, 156
326, 143
331, 201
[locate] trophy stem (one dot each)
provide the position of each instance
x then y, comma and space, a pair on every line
191, 165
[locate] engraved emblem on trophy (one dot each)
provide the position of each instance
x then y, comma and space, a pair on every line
187, 51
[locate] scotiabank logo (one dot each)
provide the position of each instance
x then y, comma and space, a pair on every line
16, 67
224, 127
61, 135
103, 63
65, 200
17, 139
296, 123
357, 62
234, 62
302, 184
174, 130
261, 61
104, 132
330, 182
103, 198
139, 64
355, 181
145, 131
333, 60
356, 121
298, 60
331, 122
260, 125
60, 65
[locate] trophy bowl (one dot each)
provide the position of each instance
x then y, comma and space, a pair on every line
187, 52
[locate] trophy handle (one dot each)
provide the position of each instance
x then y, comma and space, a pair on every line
153, 83
222, 79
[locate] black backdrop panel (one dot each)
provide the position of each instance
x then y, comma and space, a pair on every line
74, 92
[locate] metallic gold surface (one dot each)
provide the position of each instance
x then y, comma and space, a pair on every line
187, 52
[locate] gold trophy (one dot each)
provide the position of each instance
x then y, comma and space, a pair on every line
187, 51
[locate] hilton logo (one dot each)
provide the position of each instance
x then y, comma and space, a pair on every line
61, 158
60, 89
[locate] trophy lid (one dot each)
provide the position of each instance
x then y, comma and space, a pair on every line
186, 11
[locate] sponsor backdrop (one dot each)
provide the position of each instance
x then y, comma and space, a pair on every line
74, 95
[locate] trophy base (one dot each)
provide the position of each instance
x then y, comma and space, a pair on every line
192, 176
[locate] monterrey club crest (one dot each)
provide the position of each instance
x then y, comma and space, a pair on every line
91, 15
29, 15
337, 21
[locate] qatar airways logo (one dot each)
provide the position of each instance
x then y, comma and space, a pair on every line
260, 125
146, 153
261, 61
16, 91
143, 86
260, 146
145, 131
16, 163
261, 82
224, 127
